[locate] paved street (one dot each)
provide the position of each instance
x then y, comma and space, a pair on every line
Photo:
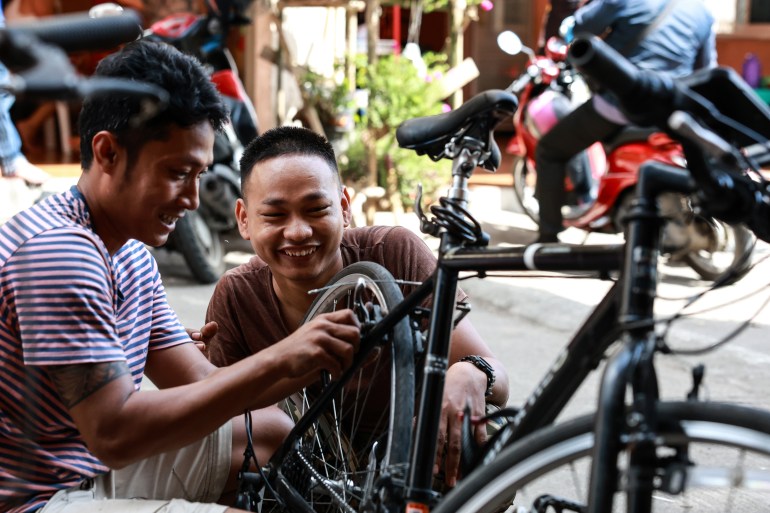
528, 320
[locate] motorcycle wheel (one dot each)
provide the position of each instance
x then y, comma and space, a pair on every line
524, 180
717, 247
708, 246
200, 246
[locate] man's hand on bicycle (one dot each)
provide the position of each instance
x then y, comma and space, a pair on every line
465, 384
326, 343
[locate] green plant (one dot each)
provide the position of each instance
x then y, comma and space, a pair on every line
330, 97
397, 93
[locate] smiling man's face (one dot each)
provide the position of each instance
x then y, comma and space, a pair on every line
146, 201
294, 212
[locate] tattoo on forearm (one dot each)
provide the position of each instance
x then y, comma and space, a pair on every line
77, 382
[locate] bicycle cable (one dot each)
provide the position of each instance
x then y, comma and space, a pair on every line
667, 349
249, 453
458, 221
691, 299
526, 274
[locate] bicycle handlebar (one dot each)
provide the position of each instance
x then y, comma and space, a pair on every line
650, 98
43, 71
77, 32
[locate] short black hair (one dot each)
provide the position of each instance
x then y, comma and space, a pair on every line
193, 98
285, 140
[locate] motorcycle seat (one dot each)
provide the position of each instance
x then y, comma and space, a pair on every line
474, 119
629, 134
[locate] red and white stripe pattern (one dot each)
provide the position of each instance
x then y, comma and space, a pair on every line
64, 300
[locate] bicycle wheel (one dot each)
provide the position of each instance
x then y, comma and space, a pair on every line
364, 434
718, 453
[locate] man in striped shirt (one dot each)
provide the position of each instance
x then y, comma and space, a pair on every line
83, 317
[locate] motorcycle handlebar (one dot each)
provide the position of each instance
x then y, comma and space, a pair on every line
650, 98
77, 32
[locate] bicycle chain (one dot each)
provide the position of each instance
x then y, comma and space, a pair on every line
321, 481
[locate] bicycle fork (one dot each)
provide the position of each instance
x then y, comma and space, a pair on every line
633, 365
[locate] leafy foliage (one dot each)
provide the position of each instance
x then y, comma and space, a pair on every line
397, 93
331, 98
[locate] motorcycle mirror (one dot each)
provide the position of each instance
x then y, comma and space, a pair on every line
105, 9
509, 42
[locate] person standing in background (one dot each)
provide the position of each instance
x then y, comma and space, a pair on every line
670, 36
13, 163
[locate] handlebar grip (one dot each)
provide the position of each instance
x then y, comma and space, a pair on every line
603, 64
646, 97
77, 32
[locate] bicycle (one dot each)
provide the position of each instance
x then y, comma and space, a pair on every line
388, 475
650, 450
386, 472
660, 441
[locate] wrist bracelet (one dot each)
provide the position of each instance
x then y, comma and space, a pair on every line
482, 365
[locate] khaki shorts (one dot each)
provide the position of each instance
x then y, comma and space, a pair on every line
182, 481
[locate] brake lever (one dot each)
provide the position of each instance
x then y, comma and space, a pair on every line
729, 193
685, 125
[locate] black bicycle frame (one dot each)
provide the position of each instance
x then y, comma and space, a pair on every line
633, 366
571, 367
579, 358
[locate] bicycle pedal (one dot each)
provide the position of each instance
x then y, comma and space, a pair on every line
546, 503
698, 372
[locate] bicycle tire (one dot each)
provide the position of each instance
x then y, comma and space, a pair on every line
562, 452
342, 430
524, 188
200, 247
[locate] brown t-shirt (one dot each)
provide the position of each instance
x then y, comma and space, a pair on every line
245, 306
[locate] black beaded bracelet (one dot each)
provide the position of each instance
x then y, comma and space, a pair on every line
482, 365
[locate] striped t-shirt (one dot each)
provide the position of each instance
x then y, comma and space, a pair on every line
64, 300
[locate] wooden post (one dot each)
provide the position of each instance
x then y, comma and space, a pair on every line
351, 26
372, 39
456, 41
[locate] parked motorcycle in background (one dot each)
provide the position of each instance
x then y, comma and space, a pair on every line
600, 180
201, 235
548, 90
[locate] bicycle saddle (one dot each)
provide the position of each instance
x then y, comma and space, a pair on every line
476, 119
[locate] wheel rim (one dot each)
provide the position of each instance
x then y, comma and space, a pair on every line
730, 471
717, 247
352, 442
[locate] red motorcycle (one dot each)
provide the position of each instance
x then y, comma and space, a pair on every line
199, 236
600, 180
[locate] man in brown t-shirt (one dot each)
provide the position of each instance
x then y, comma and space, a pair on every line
296, 213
